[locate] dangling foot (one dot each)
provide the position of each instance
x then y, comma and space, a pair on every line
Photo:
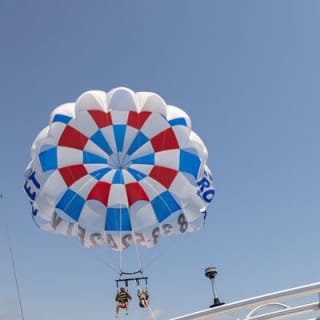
116, 315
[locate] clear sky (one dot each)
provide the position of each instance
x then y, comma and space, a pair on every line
248, 75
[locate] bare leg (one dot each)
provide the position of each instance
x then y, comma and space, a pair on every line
117, 311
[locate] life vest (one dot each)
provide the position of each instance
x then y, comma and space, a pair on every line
122, 296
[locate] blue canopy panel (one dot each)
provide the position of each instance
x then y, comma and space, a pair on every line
62, 118
119, 131
118, 177
71, 204
138, 175
98, 174
99, 139
139, 140
189, 163
118, 219
148, 159
48, 159
178, 122
164, 205
89, 158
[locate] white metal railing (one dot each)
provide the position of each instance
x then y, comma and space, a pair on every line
262, 301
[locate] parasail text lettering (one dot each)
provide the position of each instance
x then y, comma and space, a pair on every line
31, 187
31, 184
93, 239
206, 191
86, 238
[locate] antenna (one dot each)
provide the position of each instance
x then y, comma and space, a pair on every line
211, 273
12, 259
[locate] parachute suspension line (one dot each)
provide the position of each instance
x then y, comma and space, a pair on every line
157, 231
120, 217
138, 256
101, 257
12, 261
162, 252
109, 265
120, 256
137, 251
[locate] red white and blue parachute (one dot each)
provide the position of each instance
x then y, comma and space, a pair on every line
118, 168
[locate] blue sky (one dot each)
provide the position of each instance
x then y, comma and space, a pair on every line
248, 75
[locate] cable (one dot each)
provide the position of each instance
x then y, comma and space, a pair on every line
12, 261
101, 257
151, 312
120, 255
137, 251
134, 243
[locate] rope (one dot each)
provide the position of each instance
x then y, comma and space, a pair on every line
12, 261
135, 244
101, 257
161, 252
150, 185
151, 312
120, 255
137, 253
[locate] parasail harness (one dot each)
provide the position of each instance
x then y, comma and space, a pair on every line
137, 277
125, 278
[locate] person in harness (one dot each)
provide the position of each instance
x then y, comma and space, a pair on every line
122, 298
143, 298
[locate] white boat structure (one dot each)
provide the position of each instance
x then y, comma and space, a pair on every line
290, 303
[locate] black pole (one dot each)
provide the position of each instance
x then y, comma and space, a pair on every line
211, 273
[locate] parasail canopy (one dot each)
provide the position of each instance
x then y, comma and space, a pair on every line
118, 168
